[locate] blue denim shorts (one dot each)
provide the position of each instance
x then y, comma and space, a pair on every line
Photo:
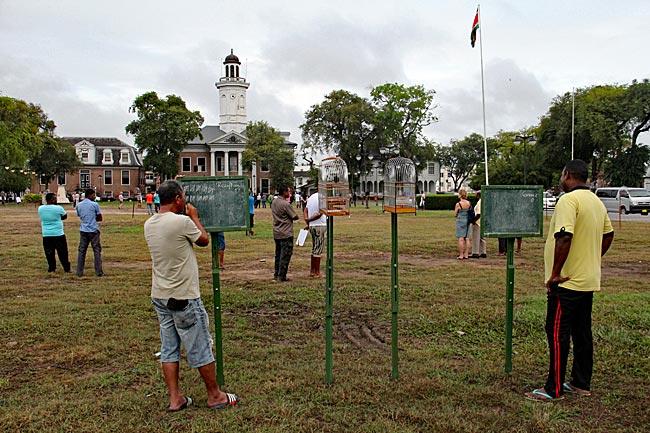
190, 327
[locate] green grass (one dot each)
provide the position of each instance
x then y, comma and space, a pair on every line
78, 355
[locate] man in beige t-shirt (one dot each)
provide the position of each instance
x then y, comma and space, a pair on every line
176, 296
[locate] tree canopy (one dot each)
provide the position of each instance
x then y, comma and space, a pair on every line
163, 128
28, 143
353, 126
265, 144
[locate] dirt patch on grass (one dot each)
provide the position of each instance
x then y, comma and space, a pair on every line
638, 269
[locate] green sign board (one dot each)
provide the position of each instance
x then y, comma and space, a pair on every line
509, 211
222, 201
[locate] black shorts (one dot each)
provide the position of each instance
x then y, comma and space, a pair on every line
252, 219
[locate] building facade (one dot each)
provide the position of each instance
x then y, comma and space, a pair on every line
109, 166
218, 151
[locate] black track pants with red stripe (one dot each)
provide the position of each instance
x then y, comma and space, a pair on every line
568, 317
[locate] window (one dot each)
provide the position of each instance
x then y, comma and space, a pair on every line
125, 157
432, 168
149, 176
219, 164
41, 180
265, 186
108, 193
61, 179
84, 155
108, 177
187, 164
84, 179
264, 166
200, 163
126, 194
233, 166
108, 157
126, 177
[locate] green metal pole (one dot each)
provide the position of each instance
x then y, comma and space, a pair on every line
510, 295
394, 294
329, 285
216, 290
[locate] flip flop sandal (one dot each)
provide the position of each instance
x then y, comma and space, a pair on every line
188, 403
540, 395
232, 400
566, 386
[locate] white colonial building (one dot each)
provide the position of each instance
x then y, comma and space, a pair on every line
219, 151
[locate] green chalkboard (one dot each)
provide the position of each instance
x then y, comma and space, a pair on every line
509, 211
222, 201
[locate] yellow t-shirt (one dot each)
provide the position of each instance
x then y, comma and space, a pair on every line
175, 273
582, 214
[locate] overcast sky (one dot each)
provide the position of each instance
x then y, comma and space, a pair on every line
85, 62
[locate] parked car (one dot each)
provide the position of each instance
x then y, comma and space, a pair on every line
627, 200
549, 200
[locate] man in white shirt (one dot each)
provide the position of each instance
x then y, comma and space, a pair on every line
317, 226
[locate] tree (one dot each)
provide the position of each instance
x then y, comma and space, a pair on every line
342, 123
461, 157
266, 144
23, 126
629, 167
162, 130
508, 161
637, 104
27, 142
401, 114
54, 158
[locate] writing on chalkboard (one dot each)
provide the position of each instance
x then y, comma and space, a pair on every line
222, 202
511, 211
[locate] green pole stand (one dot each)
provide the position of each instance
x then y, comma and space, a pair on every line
510, 295
394, 296
216, 291
329, 286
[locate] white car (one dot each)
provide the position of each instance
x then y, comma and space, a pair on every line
549, 201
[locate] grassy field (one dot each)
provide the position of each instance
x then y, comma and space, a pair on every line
78, 354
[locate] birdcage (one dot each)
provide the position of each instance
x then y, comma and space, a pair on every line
333, 188
399, 186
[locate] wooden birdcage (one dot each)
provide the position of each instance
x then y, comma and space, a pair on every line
399, 186
333, 187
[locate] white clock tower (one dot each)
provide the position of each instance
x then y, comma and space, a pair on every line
232, 96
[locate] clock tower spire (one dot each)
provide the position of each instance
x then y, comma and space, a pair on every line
232, 96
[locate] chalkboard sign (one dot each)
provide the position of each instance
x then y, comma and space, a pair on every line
509, 211
222, 201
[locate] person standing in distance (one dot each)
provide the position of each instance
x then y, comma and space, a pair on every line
317, 226
251, 212
90, 214
580, 233
176, 296
283, 217
52, 216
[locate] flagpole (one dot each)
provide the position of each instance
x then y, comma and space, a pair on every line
480, 36
573, 116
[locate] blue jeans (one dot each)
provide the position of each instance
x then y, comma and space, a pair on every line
189, 326
93, 239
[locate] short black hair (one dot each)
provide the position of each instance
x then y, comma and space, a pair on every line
578, 169
90, 192
282, 189
168, 190
49, 196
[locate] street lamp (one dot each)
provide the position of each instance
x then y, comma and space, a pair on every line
525, 139
100, 184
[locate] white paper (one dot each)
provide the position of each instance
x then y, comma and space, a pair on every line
302, 236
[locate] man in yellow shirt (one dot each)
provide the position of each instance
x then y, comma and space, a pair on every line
580, 233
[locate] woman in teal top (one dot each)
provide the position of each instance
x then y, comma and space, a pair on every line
461, 212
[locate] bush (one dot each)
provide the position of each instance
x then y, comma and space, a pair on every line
445, 201
33, 198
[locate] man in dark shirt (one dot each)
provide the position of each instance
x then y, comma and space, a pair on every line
283, 217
